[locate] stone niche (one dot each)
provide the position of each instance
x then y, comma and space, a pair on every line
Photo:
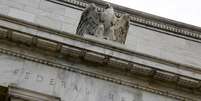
103, 24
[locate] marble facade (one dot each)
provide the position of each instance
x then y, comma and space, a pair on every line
42, 59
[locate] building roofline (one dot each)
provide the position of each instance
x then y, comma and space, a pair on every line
146, 15
161, 23
71, 46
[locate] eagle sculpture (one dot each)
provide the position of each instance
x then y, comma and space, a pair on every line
103, 24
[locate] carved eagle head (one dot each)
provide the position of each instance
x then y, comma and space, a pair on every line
108, 6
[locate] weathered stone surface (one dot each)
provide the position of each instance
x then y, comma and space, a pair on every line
105, 50
4, 9
12, 4
36, 11
67, 85
73, 13
68, 28
21, 15
46, 21
42, 12
50, 80
164, 46
52, 7
29, 3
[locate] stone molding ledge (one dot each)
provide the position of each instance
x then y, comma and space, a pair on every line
29, 95
178, 28
9, 25
91, 74
46, 42
21, 34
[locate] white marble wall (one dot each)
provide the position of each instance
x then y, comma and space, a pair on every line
164, 46
139, 39
67, 85
42, 12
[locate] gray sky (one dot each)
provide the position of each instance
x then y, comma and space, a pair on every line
188, 11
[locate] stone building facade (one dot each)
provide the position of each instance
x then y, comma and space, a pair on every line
42, 59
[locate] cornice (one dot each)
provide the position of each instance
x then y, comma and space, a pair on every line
12, 24
158, 74
56, 45
178, 28
132, 67
95, 75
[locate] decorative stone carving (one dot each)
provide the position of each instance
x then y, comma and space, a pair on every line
103, 24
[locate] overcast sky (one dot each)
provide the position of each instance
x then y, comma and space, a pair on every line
188, 11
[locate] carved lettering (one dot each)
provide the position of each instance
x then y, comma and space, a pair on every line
63, 84
87, 91
39, 78
111, 96
27, 75
122, 99
16, 71
75, 87
52, 82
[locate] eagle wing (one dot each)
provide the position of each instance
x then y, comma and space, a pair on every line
121, 28
89, 21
